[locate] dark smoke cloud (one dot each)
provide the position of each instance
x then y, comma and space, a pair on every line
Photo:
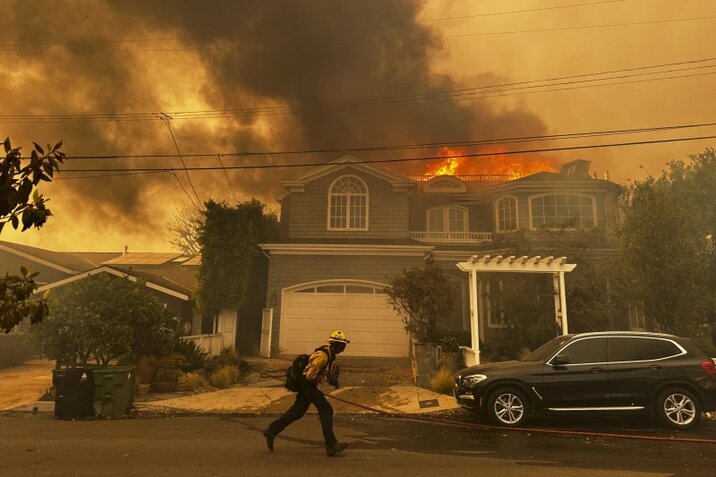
227, 54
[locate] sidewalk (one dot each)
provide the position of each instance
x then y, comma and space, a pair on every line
387, 390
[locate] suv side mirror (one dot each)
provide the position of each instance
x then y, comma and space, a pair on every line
559, 360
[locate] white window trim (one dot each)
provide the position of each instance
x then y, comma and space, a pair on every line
594, 208
348, 221
517, 213
446, 218
496, 321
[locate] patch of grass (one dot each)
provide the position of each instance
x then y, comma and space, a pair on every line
442, 381
13, 350
224, 377
523, 352
195, 383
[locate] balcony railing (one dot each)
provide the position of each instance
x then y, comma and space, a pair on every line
451, 237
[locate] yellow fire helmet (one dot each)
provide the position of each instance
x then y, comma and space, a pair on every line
338, 337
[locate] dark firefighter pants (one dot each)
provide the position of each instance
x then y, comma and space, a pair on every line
307, 395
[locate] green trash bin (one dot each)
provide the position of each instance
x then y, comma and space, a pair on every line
113, 390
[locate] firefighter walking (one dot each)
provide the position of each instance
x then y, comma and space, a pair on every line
320, 366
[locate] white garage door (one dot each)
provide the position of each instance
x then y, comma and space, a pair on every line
310, 314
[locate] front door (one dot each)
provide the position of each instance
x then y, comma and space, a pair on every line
579, 383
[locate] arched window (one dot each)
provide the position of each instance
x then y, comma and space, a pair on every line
348, 204
506, 214
562, 210
447, 219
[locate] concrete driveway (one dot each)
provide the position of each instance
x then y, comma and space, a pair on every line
25, 384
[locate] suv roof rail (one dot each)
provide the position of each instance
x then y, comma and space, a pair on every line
625, 333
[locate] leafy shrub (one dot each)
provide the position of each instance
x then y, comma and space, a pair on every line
13, 350
194, 354
422, 297
195, 383
104, 318
227, 357
442, 381
170, 368
224, 377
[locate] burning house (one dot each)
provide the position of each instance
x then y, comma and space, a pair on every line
348, 226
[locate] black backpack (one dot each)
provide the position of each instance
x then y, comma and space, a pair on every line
295, 371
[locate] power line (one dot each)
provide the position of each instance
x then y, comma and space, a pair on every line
412, 146
226, 174
513, 12
119, 174
583, 27
427, 20
458, 93
464, 35
415, 159
166, 119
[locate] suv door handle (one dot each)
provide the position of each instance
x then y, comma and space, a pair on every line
655, 367
597, 370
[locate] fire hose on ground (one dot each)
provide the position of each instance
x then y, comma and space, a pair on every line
532, 430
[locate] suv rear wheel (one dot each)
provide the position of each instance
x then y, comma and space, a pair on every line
507, 407
678, 408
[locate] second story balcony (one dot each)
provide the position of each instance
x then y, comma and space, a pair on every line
451, 237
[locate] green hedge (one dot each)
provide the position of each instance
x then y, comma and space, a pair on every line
13, 350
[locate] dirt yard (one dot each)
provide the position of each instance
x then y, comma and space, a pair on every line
24, 384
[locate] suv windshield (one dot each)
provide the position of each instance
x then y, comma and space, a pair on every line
547, 349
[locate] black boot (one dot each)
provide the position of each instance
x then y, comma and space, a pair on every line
269, 439
335, 449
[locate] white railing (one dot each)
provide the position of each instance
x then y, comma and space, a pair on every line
468, 177
212, 344
451, 237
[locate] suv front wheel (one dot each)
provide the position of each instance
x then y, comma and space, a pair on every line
678, 408
507, 407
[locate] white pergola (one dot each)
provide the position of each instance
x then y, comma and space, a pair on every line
499, 264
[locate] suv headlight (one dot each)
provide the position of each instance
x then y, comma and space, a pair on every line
473, 379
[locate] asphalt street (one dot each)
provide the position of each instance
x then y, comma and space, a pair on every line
38, 445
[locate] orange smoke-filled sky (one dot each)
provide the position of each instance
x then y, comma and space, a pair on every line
285, 76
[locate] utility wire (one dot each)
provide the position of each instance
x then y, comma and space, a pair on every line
513, 12
464, 35
426, 20
416, 159
226, 174
458, 93
583, 27
425, 145
167, 120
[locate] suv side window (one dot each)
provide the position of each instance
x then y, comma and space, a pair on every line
584, 351
640, 349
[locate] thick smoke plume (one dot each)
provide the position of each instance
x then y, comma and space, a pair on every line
316, 62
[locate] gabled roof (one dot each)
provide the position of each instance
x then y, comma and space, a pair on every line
63, 261
155, 282
297, 183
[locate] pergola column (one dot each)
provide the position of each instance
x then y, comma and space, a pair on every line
556, 267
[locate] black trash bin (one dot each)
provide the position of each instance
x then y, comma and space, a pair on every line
74, 390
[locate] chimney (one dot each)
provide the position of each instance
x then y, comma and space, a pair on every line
576, 168
126, 247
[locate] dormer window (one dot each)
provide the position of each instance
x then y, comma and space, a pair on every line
447, 219
506, 214
348, 204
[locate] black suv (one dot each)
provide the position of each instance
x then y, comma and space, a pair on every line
616, 371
